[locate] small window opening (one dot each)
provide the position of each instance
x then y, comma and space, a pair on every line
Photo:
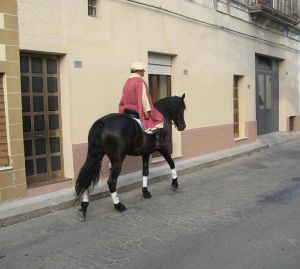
236, 112
92, 8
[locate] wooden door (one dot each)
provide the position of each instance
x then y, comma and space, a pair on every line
41, 118
160, 87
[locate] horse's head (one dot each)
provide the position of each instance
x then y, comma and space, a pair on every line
173, 110
178, 113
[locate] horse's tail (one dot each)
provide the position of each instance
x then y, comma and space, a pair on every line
89, 173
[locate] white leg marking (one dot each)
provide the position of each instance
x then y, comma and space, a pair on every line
115, 197
174, 174
145, 181
85, 197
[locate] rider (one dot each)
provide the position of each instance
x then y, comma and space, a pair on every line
136, 97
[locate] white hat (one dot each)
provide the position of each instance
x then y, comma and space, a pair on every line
137, 66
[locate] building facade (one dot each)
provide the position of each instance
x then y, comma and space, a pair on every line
236, 61
12, 166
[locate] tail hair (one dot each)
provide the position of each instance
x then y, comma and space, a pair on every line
89, 172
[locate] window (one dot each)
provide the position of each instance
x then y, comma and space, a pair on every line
236, 116
3, 138
92, 8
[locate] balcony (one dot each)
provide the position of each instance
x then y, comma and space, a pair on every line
280, 11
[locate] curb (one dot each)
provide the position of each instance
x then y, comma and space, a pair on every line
164, 174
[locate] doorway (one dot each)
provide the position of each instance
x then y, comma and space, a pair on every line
41, 118
159, 70
267, 95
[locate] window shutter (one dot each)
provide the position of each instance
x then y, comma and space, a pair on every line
159, 64
3, 139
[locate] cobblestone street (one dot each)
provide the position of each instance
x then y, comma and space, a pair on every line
242, 214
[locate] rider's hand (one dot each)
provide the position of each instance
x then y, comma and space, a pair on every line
147, 115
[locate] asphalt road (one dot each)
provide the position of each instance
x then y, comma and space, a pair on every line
238, 215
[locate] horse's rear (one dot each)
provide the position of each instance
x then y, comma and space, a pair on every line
114, 135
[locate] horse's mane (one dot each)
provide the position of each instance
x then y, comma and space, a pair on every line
170, 106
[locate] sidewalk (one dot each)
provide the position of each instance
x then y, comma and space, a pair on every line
29, 208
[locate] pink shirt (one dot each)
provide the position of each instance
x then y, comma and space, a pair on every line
132, 98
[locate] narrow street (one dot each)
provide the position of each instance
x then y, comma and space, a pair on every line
238, 215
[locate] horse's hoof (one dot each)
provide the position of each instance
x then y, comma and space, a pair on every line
120, 207
146, 193
175, 183
81, 215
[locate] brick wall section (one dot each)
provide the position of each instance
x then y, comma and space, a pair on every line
130, 163
211, 139
3, 135
12, 180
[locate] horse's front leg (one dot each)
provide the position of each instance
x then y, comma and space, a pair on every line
166, 154
146, 193
116, 167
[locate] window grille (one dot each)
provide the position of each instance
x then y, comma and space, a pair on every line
92, 8
236, 125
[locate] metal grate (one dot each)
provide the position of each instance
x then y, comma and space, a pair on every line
236, 125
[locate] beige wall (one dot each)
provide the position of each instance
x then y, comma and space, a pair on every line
210, 55
41, 25
123, 32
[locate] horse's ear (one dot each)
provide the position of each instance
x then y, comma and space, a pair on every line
183, 96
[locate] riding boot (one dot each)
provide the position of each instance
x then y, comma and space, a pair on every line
159, 138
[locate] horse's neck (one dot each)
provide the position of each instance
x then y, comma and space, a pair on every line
160, 106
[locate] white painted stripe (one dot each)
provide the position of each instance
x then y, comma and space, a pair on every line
115, 198
174, 173
145, 181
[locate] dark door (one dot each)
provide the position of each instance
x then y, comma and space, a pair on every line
160, 87
41, 118
267, 95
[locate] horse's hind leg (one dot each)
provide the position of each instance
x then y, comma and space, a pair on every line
116, 167
166, 154
146, 193
84, 205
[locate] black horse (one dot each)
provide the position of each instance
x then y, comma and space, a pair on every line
118, 135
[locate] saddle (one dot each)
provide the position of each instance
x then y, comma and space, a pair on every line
133, 114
